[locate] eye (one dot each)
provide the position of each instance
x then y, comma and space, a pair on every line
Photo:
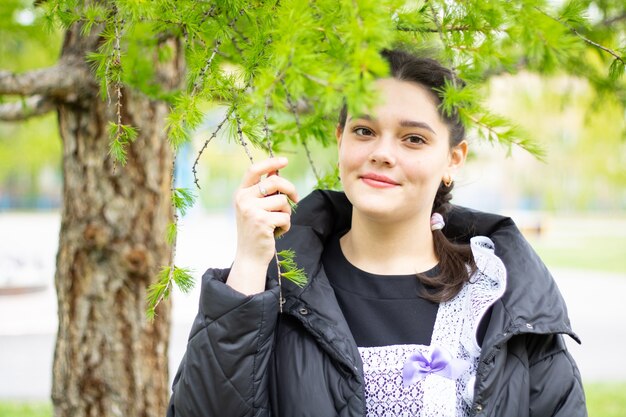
415, 139
363, 131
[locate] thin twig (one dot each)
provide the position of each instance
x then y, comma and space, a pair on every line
294, 111
170, 275
587, 40
431, 30
242, 141
281, 300
117, 62
231, 25
241, 35
206, 143
216, 46
233, 41
317, 80
266, 128
205, 69
436, 21
118, 81
268, 142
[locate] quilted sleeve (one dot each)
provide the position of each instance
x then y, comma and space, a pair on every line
230, 344
555, 386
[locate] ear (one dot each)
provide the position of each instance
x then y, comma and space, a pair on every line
458, 154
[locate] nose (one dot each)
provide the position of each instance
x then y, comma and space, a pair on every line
383, 151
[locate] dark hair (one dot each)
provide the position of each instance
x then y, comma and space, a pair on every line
454, 259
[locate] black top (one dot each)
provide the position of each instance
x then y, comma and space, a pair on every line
381, 310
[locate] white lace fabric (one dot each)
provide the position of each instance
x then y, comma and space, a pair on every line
455, 329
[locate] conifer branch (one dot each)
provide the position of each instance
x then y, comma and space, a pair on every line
270, 151
508, 135
118, 81
316, 80
165, 288
181, 200
464, 28
294, 111
121, 135
206, 143
436, 21
26, 108
242, 141
233, 42
231, 25
200, 79
240, 34
289, 269
615, 54
266, 128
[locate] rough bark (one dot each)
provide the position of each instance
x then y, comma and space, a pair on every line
64, 81
109, 360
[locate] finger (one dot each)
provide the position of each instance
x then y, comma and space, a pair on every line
280, 220
276, 203
272, 185
257, 170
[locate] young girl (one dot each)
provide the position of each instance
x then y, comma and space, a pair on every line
395, 319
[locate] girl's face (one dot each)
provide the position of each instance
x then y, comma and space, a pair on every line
392, 160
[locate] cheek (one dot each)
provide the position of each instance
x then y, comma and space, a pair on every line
352, 156
423, 170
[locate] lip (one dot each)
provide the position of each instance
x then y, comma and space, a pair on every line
378, 181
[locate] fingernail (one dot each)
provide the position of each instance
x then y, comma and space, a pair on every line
282, 160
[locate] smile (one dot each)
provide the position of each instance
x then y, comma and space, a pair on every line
378, 181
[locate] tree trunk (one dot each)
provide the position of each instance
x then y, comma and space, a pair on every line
109, 360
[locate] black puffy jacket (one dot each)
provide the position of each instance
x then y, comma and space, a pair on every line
243, 358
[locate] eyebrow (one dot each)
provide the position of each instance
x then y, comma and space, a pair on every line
403, 123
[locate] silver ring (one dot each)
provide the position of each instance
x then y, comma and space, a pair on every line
262, 189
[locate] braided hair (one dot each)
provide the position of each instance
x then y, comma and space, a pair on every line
456, 262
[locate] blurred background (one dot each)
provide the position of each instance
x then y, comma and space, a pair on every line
571, 207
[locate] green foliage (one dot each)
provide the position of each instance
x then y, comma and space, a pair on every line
306, 58
284, 69
121, 137
160, 290
20, 31
289, 269
616, 70
30, 149
330, 181
172, 232
183, 199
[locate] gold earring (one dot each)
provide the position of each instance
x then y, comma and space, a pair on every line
447, 180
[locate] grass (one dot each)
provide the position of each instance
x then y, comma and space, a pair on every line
25, 409
604, 399
584, 241
597, 253
589, 241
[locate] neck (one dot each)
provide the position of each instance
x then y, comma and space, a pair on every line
399, 248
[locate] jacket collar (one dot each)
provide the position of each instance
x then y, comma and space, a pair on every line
531, 303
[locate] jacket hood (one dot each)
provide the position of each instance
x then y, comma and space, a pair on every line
532, 301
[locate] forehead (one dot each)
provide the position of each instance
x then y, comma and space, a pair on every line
404, 100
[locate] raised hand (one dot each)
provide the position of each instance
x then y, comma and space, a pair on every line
261, 207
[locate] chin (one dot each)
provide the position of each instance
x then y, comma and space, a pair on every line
373, 206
